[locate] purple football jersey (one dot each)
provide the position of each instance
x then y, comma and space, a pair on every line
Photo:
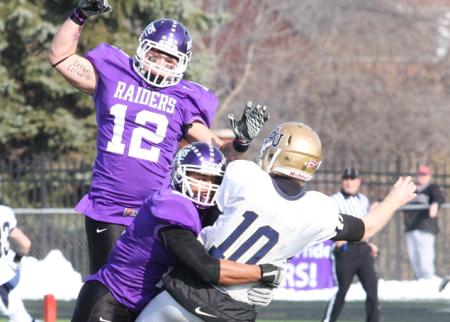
138, 132
139, 258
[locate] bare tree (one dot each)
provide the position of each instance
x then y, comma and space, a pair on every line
371, 76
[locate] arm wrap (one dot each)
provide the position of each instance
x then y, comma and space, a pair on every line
190, 253
353, 229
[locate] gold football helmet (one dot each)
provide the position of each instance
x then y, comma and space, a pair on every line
292, 149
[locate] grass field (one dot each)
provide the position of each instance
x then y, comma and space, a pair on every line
281, 311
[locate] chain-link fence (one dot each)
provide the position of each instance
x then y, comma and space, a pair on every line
56, 229
64, 229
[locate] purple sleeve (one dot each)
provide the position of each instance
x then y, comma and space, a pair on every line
102, 55
174, 209
200, 104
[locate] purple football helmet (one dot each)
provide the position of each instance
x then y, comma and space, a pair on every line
203, 159
169, 37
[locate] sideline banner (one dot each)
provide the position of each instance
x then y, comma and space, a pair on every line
310, 270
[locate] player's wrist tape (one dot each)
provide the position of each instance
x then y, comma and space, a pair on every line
240, 146
78, 17
18, 258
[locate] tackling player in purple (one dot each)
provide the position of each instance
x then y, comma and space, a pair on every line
162, 235
144, 108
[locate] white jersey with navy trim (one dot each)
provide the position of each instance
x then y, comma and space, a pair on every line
7, 223
261, 225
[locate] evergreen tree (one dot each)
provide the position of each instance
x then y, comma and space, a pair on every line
41, 112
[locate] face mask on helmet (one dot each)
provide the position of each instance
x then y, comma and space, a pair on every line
163, 53
292, 149
197, 172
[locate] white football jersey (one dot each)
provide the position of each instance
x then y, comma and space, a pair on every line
7, 223
261, 225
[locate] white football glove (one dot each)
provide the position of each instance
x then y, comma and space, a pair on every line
260, 295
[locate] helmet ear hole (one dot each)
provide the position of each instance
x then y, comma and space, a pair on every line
289, 139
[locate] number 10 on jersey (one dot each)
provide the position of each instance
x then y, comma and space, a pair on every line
243, 246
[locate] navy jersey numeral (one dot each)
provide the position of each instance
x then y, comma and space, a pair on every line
4, 233
266, 231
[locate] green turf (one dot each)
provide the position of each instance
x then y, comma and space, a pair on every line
282, 311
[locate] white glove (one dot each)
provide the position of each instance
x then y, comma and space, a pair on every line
260, 295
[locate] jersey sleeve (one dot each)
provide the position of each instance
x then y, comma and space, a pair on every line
108, 61
200, 104
327, 215
172, 208
102, 56
8, 216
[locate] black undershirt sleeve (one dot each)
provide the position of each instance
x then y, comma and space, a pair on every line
190, 253
353, 229
209, 215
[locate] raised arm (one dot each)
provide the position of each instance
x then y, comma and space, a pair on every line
354, 229
78, 71
400, 194
245, 130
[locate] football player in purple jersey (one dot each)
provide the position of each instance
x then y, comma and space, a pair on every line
144, 108
163, 234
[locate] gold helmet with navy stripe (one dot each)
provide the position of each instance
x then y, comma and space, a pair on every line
292, 149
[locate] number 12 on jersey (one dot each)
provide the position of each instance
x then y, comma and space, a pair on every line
267, 232
116, 144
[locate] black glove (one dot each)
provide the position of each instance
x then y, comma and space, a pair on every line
87, 8
271, 275
17, 258
93, 7
251, 122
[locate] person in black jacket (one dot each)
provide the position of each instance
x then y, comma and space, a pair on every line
421, 225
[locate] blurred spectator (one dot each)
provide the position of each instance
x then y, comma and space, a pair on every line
14, 244
421, 225
354, 258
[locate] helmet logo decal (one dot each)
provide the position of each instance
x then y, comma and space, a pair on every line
275, 137
311, 164
149, 29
